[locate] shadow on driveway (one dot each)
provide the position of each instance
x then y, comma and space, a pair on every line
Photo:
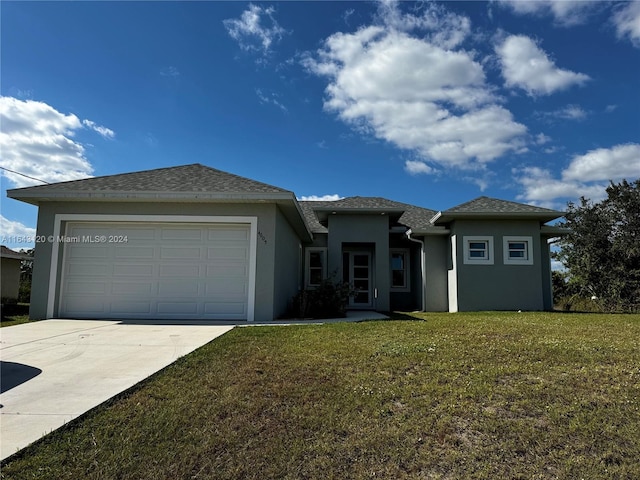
14, 374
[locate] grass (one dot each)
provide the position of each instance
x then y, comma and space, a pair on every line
14, 320
433, 396
14, 314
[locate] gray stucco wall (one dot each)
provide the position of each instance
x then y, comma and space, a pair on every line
500, 286
363, 229
437, 264
288, 267
10, 280
265, 265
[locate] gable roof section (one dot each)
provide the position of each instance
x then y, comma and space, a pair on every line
6, 252
187, 183
411, 216
493, 208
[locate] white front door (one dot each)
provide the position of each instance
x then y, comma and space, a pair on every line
357, 266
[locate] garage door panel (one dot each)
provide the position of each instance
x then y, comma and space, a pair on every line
83, 269
141, 270
228, 270
84, 305
178, 308
228, 253
137, 308
87, 288
182, 234
162, 271
82, 250
127, 251
173, 288
179, 270
180, 253
131, 288
227, 233
228, 308
228, 286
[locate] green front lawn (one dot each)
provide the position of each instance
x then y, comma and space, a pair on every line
433, 396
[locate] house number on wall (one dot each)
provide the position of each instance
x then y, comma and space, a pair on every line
262, 237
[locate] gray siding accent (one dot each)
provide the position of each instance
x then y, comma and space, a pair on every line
288, 265
437, 263
499, 286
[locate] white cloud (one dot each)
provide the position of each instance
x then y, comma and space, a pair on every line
322, 198
627, 22
169, 72
443, 28
541, 139
12, 230
568, 112
417, 167
616, 163
37, 140
272, 99
104, 131
587, 175
416, 92
541, 188
526, 66
565, 12
256, 29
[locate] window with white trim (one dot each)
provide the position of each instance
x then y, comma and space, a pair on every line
477, 250
316, 266
518, 250
399, 263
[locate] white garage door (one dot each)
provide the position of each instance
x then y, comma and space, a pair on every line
156, 271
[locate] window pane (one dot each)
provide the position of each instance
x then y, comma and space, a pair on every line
360, 272
477, 253
361, 260
316, 259
361, 284
397, 261
315, 276
361, 298
397, 278
517, 246
477, 245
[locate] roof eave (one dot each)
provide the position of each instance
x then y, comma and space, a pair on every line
36, 198
442, 218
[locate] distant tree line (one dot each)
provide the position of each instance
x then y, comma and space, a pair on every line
602, 251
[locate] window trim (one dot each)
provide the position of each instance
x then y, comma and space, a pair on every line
468, 240
407, 269
528, 241
307, 265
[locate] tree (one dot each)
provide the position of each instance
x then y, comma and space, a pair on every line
26, 270
602, 250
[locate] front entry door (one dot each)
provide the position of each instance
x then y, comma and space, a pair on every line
357, 272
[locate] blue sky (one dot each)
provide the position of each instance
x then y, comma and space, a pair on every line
427, 103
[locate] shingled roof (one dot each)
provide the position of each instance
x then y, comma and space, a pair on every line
488, 207
411, 216
194, 178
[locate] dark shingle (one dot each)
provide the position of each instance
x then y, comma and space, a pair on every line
414, 217
186, 178
494, 205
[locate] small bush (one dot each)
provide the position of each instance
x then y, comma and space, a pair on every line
327, 300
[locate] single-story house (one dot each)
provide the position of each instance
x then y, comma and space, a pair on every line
10, 262
193, 242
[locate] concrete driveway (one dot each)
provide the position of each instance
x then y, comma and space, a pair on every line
55, 370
